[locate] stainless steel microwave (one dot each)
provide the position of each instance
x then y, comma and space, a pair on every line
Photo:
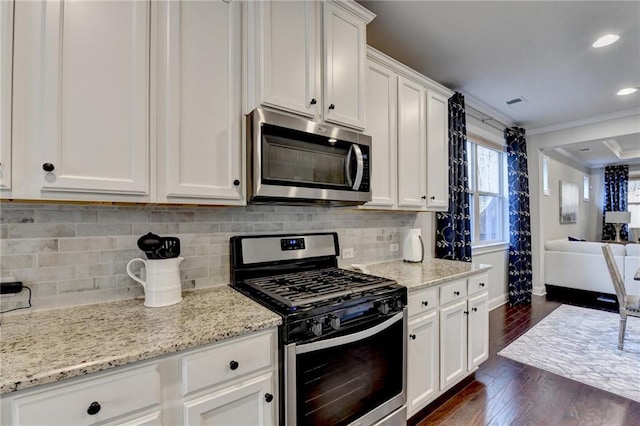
291, 159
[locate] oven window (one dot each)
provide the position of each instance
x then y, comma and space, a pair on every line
340, 384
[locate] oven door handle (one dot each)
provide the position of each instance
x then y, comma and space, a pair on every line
349, 338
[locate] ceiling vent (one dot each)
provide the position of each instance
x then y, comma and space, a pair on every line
514, 101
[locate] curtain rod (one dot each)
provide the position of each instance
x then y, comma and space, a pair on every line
485, 119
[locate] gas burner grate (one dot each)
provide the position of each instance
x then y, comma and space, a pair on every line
300, 288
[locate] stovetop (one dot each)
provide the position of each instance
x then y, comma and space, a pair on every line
309, 287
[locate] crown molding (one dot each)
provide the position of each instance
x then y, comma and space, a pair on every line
585, 121
484, 109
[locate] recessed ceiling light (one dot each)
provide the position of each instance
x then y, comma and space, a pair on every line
606, 40
627, 91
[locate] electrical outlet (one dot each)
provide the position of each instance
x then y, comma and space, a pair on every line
394, 247
348, 253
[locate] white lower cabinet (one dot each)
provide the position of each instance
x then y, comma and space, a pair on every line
423, 356
237, 385
247, 403
448, 337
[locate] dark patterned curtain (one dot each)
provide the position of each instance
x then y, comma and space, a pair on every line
616, 180
520, 281
453, 233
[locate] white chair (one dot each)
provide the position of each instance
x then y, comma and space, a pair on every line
629, 304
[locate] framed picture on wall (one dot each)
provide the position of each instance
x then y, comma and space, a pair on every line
569, 196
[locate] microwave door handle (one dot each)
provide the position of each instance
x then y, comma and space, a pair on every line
355, 183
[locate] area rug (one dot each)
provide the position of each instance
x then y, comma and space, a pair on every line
582, 344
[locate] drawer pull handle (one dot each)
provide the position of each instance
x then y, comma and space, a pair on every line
475, 309
234, 365
456, 293
481, 284
94, 408
268, 397
413, 336
425, 303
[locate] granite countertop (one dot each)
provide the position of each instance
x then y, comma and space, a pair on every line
432, 272
48, 346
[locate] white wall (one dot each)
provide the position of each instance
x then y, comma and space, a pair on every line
561, 169
537, 142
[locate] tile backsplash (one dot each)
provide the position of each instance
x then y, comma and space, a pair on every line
71, 254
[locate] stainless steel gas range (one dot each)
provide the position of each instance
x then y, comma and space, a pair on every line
342, 344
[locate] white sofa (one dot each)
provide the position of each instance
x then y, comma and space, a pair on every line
581, 265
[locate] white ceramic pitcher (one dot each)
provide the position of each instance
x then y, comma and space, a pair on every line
162, 286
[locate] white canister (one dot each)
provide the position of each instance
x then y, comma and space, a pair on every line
162, 286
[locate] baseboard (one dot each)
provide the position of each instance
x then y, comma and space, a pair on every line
498, 301
539, 291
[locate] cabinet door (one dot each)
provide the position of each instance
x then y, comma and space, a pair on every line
437, 152
381, 126
242, 404
200, 146
6, 65
478, 330
344, 72
453, 343
412, 141
289, 55
95, 97
422, 361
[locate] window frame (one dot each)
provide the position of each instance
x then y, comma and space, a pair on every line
473, 141
545, 175
635, 178
586, 188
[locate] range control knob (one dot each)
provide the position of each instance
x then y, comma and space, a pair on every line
315, 327
384, 308
334, 322
397, 303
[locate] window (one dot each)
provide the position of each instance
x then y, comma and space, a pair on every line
486, 167
545, 175
633, 201
585, 188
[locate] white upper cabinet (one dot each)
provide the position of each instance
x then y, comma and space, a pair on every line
345, 44
94, 97
199, 103
437, 151
412, 137
6, 65
289, 54
407, 118
308, 58
381, 120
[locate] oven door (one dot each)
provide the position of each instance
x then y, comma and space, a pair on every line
356, 378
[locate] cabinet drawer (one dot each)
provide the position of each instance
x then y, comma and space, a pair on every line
422, 301
226, 361
478, 284
112, 396
456, 290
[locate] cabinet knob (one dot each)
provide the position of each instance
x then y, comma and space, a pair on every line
474, 309
425, 303
234, 365
456, 293
268, 397
412, 336
432, 197
48, 167
332, 106
424, 197
94, 408
466, 312
313, 101
236, 182
481, 284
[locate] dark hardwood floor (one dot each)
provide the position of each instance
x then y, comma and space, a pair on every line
506, 392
